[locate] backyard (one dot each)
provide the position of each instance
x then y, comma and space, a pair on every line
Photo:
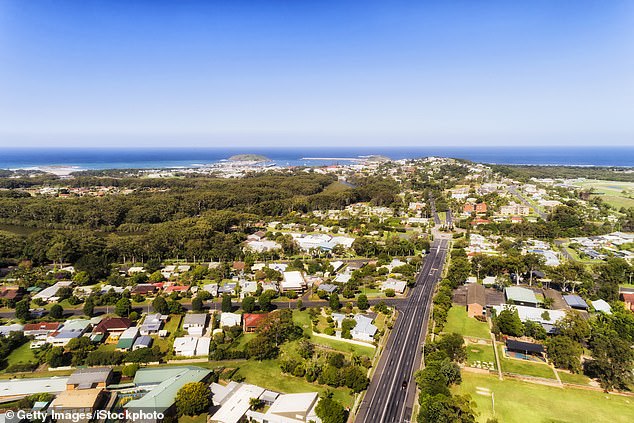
459, 322
524, 367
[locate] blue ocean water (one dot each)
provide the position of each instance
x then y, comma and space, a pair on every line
119, 158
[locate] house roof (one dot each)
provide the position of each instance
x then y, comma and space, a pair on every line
514, 345
169, 380
237, 403
476, 294
195, 319
602, 306
85, 398
143, 341
519, 294
89, 377
575, 301
112, 323
50, 326
294, 403
253, 320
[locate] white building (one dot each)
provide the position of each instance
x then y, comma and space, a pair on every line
189, 346
293, 281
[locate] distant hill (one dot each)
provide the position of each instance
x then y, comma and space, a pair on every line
249, 158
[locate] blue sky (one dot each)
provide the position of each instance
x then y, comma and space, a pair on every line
274, 73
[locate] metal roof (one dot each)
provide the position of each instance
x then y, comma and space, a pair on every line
575, 301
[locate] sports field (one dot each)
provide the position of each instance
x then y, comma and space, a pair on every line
617, 194
522, 402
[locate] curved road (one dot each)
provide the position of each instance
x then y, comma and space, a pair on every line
391, 393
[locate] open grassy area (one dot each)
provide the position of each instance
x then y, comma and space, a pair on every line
201, 418
267, 374
480, 353
22, 354
459, 322
302, 318
524, 367
517, 401
573, 378
617, 194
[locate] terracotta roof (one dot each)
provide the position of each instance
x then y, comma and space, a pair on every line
112, 323
42, 326
239, 265
253, 320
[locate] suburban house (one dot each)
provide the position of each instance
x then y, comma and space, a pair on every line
328, 288
41, 330
602, 306
547, 318
520, 296
145, 289
74, 328
5, 330
143, 341
152, 324
127, 338
397, 285
250, 321
293, 281
189, 346
364, 330
195, 324
576, 302
110, 329
230, 319
11, 294
49, 294
476, 300
233, 405
628, 299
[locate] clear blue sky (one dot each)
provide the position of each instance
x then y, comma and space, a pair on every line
308, 72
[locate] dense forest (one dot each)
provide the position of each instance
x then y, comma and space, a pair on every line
196, 218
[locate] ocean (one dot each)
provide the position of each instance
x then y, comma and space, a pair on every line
151, 158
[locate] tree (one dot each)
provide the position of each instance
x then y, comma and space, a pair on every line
362, 302
248, 304
300, 304
123, 307
261, 348
159, 305
612, 361
443, 408
334, 302
330, 411
193, 398
508, 322
390, 293
56, 357
564, 353
197, 304
129, 370
22, 311
452, 344
264, 301
574, 326
57, 311
226, 303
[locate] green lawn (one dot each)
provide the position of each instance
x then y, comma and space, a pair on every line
302, 318
517, 401
480, 353
524, 367
267, 374
201, 418
22, 354
616, 194
459, 322
573, 378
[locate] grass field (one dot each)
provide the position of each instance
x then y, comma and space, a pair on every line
524, 367
302, 318
267, 374
459, 322
517, 401
480, 353
573, 378
23, 354
617, 194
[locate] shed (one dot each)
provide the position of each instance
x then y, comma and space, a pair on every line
575, 301
524, 347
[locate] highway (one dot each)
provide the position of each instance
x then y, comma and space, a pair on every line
391, 394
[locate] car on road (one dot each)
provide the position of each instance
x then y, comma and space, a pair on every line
404, 384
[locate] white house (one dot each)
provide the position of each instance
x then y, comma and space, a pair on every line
50, 294
195, 324
230, 319
293, 281
189, 346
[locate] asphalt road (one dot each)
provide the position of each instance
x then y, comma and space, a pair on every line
513, 190
391, 394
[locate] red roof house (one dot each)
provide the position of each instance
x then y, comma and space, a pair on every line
250, 322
